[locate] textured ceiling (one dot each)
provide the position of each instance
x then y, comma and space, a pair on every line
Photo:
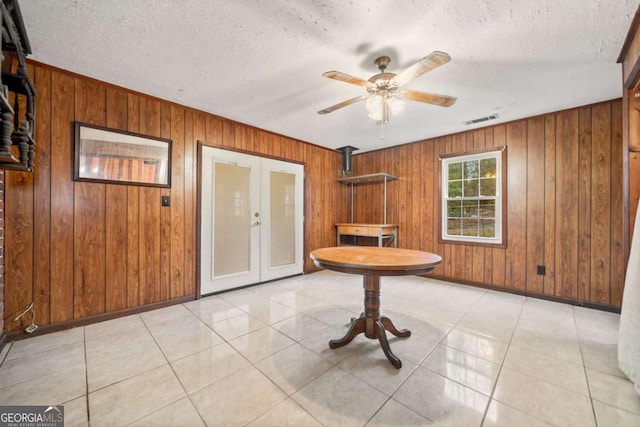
261, 62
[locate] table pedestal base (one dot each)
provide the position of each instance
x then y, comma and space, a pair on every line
372, 324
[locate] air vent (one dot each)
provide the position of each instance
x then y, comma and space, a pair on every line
481, 119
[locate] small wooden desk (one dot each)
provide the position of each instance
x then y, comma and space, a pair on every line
372, 262
379, 231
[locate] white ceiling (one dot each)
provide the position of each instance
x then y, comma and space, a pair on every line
260, 62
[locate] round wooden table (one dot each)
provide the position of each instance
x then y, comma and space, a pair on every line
372, 262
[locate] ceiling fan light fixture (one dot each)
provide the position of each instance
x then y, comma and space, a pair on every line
395, 104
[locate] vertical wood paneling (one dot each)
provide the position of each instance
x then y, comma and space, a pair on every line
62, 96
149, 214
178, 214
116, 215
499, 254
104, 247
165, 213
550, 204
584, 203
515, 262
566, 204
535, 203
601, 205
133, 215
617, 206
42, 198
89, 214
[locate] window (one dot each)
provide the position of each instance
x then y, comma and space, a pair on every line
473, 202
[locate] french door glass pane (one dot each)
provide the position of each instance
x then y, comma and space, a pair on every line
232, 219
283, 225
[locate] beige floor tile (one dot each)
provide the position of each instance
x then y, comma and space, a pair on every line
120, 326
501, 415
39, 344
41, 364
372, 366
213, 309
262, 343
180, 413
477, 345
319, 344
292, 368
442, 400
555, 371
540, 399
237, 399
332, 315
466, 369
300, 326
53, 388
615, 391
117, 342
430, 329
5, 351
548, 343
412, 349
183, 335
236, 326
601, 357
75, 412
269, 312
113, 366
164, 314
286, 414
338, 398
608, 415
208, 366
393, 414
494, 328
136, 397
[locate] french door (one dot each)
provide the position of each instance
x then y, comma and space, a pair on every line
251, 219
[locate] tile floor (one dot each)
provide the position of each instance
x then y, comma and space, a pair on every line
259, 357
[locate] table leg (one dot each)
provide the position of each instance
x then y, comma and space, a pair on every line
382, 337
389, 326
357, 327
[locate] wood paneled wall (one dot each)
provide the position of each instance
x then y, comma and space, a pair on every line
565, 203
82, 249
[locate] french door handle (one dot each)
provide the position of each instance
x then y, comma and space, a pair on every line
255, 224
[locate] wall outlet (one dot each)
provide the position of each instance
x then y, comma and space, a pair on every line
542, 270
166, 201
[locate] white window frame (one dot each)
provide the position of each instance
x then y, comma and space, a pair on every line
500, 201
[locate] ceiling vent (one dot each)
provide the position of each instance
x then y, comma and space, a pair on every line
481, 119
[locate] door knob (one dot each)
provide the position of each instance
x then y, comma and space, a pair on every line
255, 224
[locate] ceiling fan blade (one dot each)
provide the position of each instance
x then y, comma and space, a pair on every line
429, 98
342, 104
428, 63
347, 78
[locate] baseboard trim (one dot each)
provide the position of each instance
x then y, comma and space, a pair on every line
61, 326
571, 301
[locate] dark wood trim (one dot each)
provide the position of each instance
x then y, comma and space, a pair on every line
570, 301
635, 23
250, 153
47, 329
632, 80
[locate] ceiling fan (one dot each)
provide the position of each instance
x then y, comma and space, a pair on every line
385, 93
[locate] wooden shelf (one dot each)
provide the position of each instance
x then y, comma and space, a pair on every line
366, 179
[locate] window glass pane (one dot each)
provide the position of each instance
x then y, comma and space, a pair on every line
470, 227
487, 209
471, 188
454, 227
488, 187
471, 169
488, 168
454, 209
487, 228
455, 170
455, 188
470, 209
